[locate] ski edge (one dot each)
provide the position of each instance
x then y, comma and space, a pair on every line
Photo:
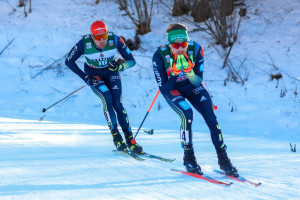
156, 157
203, 177
136, 157
239, 179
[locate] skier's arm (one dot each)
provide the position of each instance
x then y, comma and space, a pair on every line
196, 78
165, 85
199, 61
72, 56
125, 53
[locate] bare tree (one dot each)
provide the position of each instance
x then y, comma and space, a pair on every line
217, 15
221, 21
224, 28
221, 25
23, 3
181, 7
7, 46
143, 20
200, 10
57, 66
98, 1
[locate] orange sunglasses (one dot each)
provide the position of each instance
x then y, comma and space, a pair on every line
99, 37
177, 45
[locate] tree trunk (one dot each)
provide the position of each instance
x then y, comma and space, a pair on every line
201, 10
181, 7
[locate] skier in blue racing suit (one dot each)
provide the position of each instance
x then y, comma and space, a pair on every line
101, 73
178, 69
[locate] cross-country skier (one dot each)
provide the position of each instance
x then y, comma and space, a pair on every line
101, 73
184, 59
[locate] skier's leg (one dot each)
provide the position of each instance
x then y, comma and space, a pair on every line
113, 82
202, 102
104, 94
183, 109
115, 86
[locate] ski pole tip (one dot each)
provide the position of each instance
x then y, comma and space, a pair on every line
42, 118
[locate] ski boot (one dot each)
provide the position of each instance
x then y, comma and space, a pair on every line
118, 140
131, 143
190, 162
225, 163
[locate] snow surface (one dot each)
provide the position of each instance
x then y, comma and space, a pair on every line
68, 154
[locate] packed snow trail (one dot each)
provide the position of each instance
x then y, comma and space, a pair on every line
48, 160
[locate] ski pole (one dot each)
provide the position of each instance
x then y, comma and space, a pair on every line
45, 109
215, 107
147, 112
150, 107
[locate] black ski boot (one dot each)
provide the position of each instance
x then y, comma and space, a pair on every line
225, 163
131, 143
190, 162
118, 140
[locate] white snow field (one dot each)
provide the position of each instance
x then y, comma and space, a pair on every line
74, 161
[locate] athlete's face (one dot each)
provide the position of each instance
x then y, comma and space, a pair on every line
100, 40
100, 43
182, 48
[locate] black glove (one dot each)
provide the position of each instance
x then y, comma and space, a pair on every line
90, 80
114, 66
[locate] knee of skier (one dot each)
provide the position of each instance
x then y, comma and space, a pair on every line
211, 121
107, 100
188, 115
118, 106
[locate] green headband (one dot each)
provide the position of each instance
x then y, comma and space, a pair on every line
178, 35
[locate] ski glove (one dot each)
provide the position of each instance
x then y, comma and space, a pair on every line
176, 66
90, 80
187, 63
115, 66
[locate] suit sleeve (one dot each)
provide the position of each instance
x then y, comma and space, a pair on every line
125, 53
199, 61
72, 56
165, 85
196, 76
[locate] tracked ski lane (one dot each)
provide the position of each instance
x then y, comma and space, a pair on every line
50, 160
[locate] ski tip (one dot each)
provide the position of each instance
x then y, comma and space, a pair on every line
257, 184
224, 183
